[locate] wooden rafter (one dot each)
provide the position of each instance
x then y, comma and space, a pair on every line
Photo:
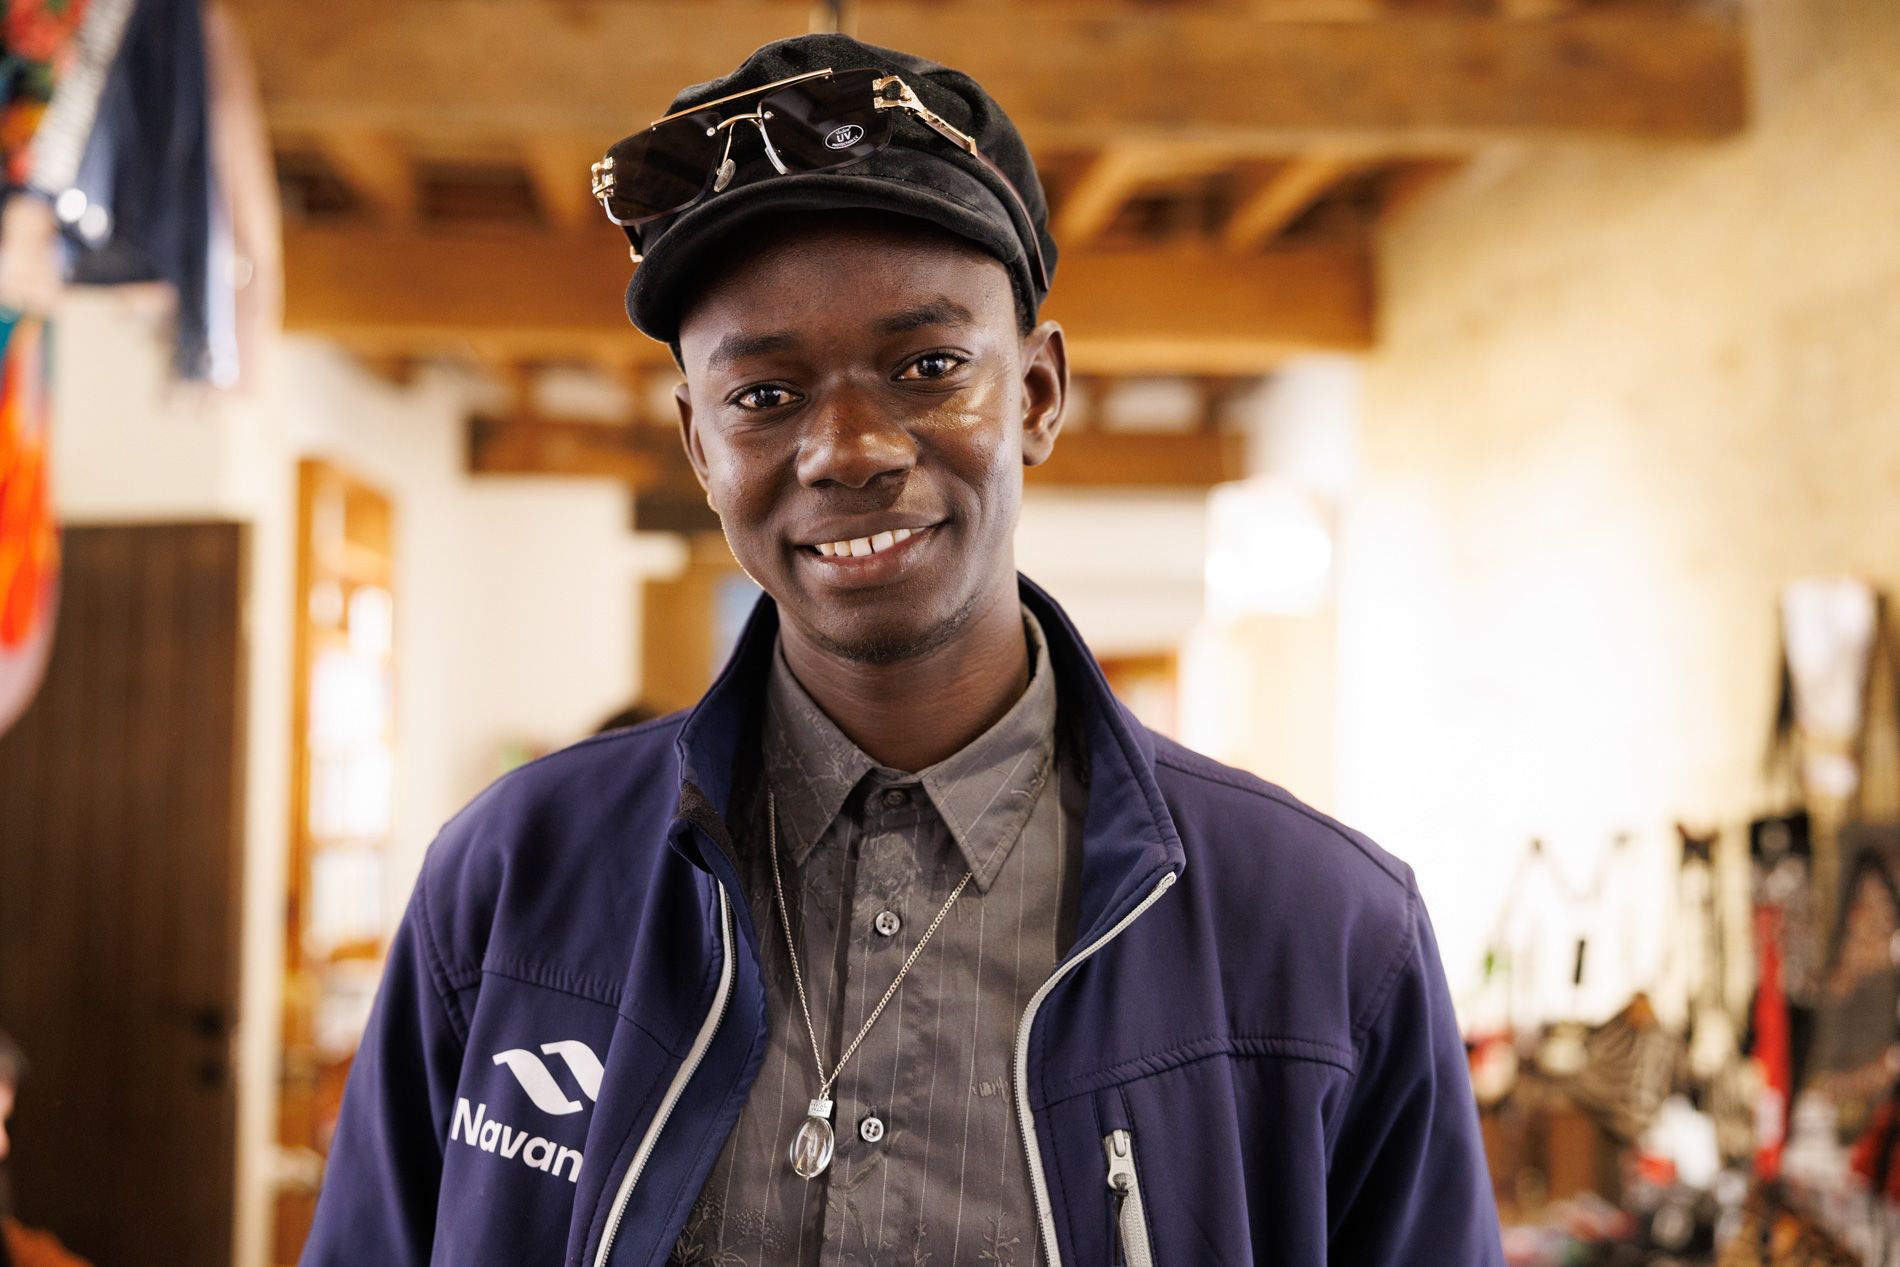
377, 169
1099, 192
558, 166
1412, 82
1120, 171
1277, 200
520, 295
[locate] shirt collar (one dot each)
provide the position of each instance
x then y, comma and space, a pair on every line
984, 792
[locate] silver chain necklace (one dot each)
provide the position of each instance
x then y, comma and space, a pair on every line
813, 1144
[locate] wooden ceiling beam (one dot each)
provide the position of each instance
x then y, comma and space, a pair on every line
558, 166
1414, 81
1120, 171
1280, 198
649, 460
1098, 194
376, 167
545, 296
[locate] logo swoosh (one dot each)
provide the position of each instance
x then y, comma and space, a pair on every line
538, 1082
581, 1062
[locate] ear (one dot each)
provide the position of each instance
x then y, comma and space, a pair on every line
689, 437
1045, 391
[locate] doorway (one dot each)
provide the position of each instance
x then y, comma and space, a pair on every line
121, 795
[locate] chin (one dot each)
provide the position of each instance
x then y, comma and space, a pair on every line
893, 637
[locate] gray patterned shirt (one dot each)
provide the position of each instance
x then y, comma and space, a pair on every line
929, 1165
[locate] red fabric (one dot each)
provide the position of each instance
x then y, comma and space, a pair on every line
1772, 1051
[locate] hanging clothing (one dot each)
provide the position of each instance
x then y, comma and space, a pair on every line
141, 205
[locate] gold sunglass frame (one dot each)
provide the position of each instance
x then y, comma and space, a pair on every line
888, 92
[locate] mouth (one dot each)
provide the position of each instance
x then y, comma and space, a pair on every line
868, 560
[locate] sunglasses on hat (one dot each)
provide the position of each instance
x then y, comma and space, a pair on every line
813, 122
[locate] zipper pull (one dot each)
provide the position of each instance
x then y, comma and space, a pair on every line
1131, 1223
1121, 1161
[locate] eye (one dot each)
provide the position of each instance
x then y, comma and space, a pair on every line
764, 396
932, 365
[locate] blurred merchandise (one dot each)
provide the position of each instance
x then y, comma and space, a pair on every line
1775, 1234
1859, 1021
1773, 1144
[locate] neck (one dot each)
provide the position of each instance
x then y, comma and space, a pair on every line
912, 714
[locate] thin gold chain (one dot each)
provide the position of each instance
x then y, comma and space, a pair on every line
785, 921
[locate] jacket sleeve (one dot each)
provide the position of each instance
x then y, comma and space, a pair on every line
378, 1203
1408, 1184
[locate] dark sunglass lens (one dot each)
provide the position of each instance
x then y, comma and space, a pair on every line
663, 168
827, 122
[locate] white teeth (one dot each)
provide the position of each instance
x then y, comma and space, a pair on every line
858, 547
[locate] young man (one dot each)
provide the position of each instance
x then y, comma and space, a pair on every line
908, 943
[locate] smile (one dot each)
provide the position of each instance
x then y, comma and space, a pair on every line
879, 557
858, 547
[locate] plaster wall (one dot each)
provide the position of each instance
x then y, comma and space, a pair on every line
1622, 394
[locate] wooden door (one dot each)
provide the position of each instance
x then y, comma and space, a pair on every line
120, 803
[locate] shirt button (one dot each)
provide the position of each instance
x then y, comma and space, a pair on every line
871, 1129
887, 923
896, 796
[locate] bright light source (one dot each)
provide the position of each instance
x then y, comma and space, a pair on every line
1270, 549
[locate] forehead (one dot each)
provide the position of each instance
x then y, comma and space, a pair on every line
841, 270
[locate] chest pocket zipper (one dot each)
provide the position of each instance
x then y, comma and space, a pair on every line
1131, 1216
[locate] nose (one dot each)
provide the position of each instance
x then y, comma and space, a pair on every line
850, 442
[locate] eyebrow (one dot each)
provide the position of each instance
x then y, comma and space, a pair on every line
934, 312
940, 311
737, 347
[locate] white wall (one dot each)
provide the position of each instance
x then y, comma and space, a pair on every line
1127, 567
1623, 393
517, 599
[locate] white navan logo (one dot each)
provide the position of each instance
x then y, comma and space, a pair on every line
540, 1084
843, 138
473, 1126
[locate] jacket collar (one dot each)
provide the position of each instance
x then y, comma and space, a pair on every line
1128, 836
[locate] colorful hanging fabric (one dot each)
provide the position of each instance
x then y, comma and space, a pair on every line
1771, 1051
29, 537
35, 38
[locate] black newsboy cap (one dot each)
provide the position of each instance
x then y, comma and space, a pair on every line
919, 174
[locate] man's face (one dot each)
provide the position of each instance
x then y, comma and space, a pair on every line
6, 1111
855, 375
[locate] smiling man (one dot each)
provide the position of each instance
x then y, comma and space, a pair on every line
908, 943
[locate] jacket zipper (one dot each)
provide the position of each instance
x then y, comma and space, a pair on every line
1038, 1182
1131, 1217
693, 1056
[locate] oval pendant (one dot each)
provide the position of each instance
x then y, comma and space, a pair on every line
811, 1148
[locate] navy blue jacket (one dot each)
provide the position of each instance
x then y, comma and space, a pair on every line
573, 1015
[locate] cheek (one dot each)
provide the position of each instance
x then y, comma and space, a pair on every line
985, 450
739, 478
